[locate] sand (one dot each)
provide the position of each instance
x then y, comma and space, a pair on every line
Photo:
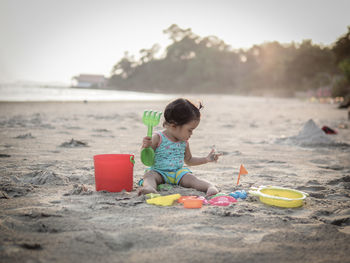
50, 211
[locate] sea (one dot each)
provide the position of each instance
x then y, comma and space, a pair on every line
32, 93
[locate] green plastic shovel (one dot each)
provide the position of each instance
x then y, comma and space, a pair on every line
150, 119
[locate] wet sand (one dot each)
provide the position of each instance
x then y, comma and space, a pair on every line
50, 211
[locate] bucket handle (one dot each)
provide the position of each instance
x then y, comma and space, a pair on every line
256, 192
132, 160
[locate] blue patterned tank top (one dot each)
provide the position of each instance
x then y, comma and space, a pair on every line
169, 155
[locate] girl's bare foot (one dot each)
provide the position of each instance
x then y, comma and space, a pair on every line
146, 190
212, 190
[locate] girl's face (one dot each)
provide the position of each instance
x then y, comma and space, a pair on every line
184, 132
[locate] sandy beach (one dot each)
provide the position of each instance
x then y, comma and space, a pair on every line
51, 212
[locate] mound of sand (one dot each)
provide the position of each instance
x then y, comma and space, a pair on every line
310, 136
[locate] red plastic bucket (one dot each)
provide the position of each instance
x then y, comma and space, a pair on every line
114, 172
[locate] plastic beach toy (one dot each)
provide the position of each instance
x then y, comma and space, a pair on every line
279, 196
219, 194
165, 187
182, 199
193, 203
150, 119
242, 170
239, 194
114, 172
166, 200
222, 200
152, 195
205, 201
328, 130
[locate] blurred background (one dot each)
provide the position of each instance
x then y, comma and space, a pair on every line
261, 48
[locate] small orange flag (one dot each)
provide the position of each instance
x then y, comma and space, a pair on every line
242, 170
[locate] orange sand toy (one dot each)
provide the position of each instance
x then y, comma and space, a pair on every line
182, 199
193, 203
166, 200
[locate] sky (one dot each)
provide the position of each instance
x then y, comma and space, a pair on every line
50, 41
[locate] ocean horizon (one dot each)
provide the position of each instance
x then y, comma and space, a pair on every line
40, 93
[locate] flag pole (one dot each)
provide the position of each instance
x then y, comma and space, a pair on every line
239, 175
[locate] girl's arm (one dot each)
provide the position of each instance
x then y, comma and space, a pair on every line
191, 161
151, 142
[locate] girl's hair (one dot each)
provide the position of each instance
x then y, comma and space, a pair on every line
181, 111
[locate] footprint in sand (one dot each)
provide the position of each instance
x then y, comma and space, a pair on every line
341, 221
73, 128
333, 167
25, 136
101, 130
312, 188
343, 179
315, 191
313, 182
228, 126
266, 176
10, 187
105, 117
341, 182
331, 216
44, 177
235, 153
31, 246
74, 143
274, 162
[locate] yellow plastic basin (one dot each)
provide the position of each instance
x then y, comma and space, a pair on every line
279, 196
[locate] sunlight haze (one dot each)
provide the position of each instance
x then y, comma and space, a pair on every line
52, 41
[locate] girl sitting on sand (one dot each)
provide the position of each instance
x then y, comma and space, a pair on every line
172, 150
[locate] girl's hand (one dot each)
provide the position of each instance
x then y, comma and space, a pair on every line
146, 142
213, 156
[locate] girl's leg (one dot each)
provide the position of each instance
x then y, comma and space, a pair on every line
150, 182
190, 181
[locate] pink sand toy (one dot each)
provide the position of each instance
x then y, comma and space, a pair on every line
222, 200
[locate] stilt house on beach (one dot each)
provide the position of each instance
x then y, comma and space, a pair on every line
89, 81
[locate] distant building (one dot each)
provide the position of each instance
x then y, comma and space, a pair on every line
89, 81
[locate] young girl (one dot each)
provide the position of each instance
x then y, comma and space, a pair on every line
172, 149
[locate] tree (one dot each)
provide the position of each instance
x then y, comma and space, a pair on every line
176, 33
207, 64
148, 55
125, 66
341, 50
309, 61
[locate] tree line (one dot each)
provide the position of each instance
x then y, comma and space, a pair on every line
194, 64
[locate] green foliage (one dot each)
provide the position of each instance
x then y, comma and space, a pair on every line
344, 66
125, 67
341, 88
308, 63
194, 64
341, 50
